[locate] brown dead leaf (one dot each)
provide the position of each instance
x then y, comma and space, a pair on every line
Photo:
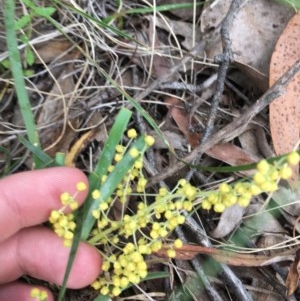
230, 219
230, 154
53, 49
188, 252
225, 152
255, 30
292, 279
285, 111
182, 119
77, 148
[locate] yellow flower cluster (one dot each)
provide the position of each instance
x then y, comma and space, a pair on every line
143, 230
38, 294
265, 179
63, 224
127, 237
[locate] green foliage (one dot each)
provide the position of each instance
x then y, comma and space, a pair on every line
293, 3
125, 241
23, 24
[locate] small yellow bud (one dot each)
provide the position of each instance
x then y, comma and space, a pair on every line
171, 253
206, 205
96, 285
54, 216
95, 214
156, 246
263, 166
35, 292
65, 198
124, 282
259, 178
154, 234
224, 188
149, 140
134, 153
243, 202
118, 157
104, 291
131, 133
67, 243
43, 295
81, 186
120, 149
180, 219
293, 158
73, 205
178, 243
255, 190
106, 266
138, 164
163, 232
96, 194
285, 172
103, 206
219, 207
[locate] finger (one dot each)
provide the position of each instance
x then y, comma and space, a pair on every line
20, 291
27, 198
40, 253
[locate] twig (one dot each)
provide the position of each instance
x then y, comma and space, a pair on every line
236, 127
190, 87
164, 78
211, 291
227, 275
224, 60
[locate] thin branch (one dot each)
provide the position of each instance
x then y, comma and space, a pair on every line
224, 60
236, 127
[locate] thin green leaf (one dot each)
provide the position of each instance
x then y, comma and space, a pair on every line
102, 298
16, 68
44, 159
45, 12
30, 57
106, 158
98, 22
7, 160
295, 4
107, 154
75, 244
29, 3
156, 275
22, 22
161, 8
60, 159
111, 183
147, 10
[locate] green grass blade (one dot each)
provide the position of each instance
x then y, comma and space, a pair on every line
17, 71
147, 10
44, 159
161, 8
107, 154
102, 298
111, 183
75, 244
105, 160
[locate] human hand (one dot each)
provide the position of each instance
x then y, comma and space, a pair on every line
26, 247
